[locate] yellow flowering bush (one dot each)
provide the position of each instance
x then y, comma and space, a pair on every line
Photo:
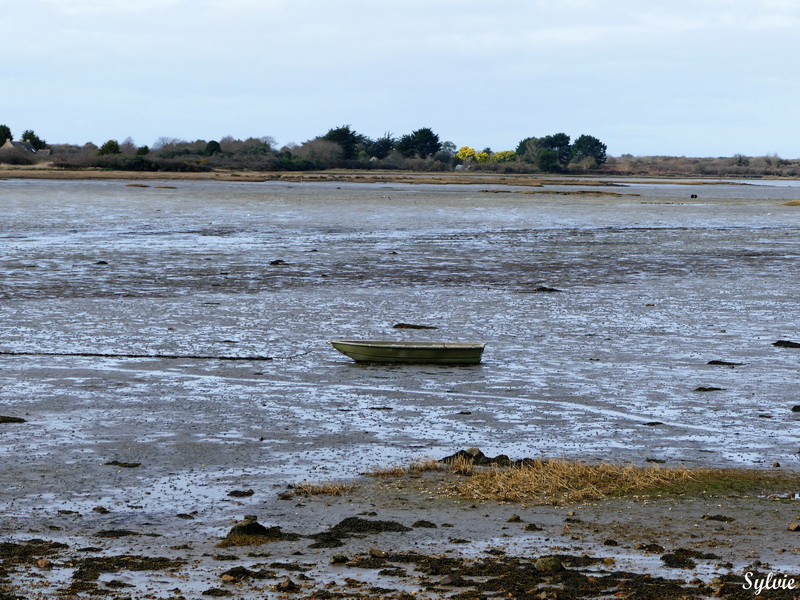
504, 156
465, 153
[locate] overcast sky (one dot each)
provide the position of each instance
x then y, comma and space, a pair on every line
673, 77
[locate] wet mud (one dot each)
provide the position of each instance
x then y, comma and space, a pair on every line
165, 346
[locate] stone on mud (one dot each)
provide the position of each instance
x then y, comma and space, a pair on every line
249, 532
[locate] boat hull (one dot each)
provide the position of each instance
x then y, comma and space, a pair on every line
440, 353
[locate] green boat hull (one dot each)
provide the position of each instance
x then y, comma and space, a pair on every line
439, 353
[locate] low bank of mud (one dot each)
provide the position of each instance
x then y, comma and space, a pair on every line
401, 538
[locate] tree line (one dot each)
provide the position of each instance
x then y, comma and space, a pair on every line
419, 150
339, 147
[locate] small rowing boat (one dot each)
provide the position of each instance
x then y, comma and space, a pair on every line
441, 353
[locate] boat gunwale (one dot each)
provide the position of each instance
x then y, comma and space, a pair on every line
401, 344
409, 352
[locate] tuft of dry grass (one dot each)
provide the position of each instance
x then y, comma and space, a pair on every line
322, 489
426, 465
461, 465
389, 472
792, 203
415, 468
561, 481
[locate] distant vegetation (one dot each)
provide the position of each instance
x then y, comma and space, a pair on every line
343, 148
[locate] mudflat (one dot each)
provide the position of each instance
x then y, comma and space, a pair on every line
164, 354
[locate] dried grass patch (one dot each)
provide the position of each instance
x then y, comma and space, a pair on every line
562, 482
322, 489
415, 468
792, 203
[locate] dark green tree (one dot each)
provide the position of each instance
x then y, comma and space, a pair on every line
381, 147
29, 136
548, 160
522, 147
212, 148
142, 150
110, 147
347, 139
5, 134
528, 149
558, 143
587, 146
422, 142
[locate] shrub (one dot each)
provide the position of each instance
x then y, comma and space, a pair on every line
16, 158
110, 147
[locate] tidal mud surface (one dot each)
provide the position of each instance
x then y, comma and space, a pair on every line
115, 300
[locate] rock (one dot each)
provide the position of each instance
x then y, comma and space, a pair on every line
786, 344
240, 493
721, 518
326, 539
277, 262
249, 526
101, 509
611, 543
676, 561
12, 420
237, 574
339, 559
249, 532
353, 527
359, 525
514, 519
704, 388
287, 585
116, 533
424, 523
548, 564
543, 289
215, 592
794, 527
532, 527
652, 423
796, 408
411, 326
124, 465
44, 563
724, 363
681, 558
478, 458
377, 553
